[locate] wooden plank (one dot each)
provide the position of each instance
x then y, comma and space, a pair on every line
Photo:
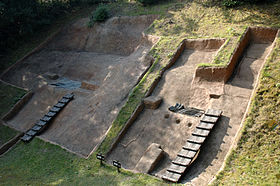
41, 123
64, 100
171, 176
55, 109
201, 132
209, 119
213, 112
177, 168
182, 161
31, 133
51, 114
46, 118
60, 105
26, 138
187, 153
196, 139
203, 125
192, 146
69, 96
37, 128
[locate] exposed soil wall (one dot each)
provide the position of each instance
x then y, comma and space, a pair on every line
118, 35
204, 44
252, 34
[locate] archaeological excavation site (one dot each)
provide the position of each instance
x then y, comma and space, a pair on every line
181, 131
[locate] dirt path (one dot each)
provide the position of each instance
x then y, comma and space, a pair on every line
152, 127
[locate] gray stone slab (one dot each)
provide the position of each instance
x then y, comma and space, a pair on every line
31, 133
201, 132
196, 139
69, 96
46, 118
203, 125
177, 168
192, 146
182, 161
64, 100
55, 109
60, 105
187, 153
37, 128
26, 138
51, 114
149, 160
209, 119
41, 123
171, 176
213, 112
152, 102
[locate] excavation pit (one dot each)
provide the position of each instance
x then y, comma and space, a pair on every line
99, 64
178, 85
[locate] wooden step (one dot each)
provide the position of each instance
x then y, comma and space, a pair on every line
179, 169
201, 132
196, 139
203, 125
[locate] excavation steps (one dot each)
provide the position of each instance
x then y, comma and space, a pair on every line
192, 147
44, 122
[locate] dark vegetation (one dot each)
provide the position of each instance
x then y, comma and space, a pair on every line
234, 3
22, 18
99, 15
148, 2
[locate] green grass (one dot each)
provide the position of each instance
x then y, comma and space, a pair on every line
256, 161
44, 163
6, 134
8, 97
40, 163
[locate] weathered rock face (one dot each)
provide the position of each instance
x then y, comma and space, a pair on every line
149, 160
152, 102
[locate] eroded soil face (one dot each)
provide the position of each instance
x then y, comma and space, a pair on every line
108, 58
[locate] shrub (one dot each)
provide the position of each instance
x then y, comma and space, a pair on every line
148, 2
231, 3
99, 15
234, 3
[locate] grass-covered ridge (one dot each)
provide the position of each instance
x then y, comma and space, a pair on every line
256, 161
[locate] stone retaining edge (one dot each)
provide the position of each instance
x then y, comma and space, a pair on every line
5, 147
18, 106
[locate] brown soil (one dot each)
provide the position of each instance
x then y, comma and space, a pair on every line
177, 85
152, 126
75, 54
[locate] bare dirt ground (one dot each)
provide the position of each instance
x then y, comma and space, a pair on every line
152, 127
110, 57
177, 86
